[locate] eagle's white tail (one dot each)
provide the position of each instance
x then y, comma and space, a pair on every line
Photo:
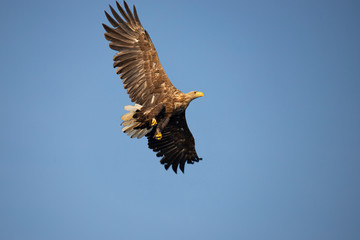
130, 123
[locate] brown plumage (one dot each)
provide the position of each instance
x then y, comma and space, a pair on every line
159, 110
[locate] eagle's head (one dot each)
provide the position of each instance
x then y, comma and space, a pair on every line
194, 94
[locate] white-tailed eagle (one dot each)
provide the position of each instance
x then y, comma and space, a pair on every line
159, 110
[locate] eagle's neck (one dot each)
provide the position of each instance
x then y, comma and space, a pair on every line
181, 102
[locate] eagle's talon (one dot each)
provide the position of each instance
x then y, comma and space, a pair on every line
158, 136
153, 122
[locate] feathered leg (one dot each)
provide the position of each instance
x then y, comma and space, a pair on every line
161, 125
154, 112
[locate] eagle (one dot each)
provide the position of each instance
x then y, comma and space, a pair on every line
159, 109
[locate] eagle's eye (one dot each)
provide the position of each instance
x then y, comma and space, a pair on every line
194, 92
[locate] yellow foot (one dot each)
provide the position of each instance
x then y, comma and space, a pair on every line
153, 122
158, 136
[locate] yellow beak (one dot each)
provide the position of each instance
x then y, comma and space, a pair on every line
199, 94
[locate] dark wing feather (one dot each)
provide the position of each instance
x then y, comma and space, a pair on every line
137, 61
177, 145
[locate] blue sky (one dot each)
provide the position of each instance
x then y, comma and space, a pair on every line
278, 128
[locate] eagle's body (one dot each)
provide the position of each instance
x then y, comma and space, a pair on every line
159, 110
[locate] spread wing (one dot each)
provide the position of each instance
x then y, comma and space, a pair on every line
177, 145
137, 61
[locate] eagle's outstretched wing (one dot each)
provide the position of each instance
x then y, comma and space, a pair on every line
177, 145
137, 61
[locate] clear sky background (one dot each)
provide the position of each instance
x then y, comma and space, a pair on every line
278, 128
